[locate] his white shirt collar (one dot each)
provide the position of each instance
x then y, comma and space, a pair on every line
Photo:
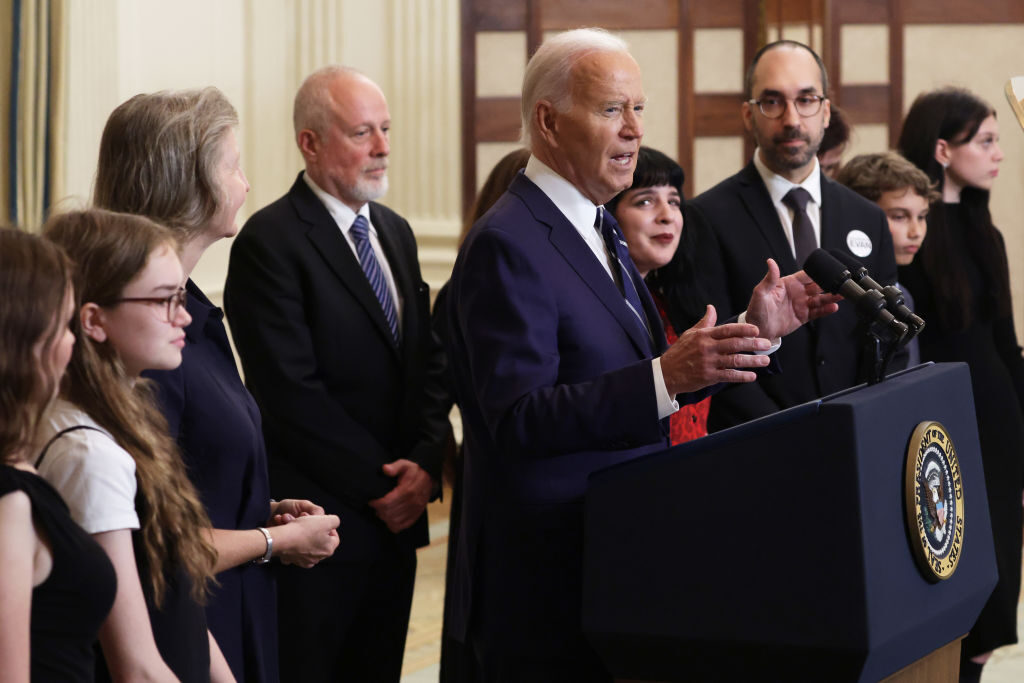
778, 186
580, 211
341, 212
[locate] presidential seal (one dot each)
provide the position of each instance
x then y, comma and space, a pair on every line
935, 501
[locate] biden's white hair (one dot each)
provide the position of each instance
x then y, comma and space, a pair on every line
547, 73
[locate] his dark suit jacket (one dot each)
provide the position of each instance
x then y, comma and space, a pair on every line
735, 229
339, 399
554, 380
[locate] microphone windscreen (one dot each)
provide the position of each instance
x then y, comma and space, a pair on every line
847, 260
826, 270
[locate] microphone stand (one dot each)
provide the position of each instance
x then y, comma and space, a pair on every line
878, 350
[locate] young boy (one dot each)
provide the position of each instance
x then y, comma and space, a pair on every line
904, 192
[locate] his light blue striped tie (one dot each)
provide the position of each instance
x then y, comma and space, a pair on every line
360, 232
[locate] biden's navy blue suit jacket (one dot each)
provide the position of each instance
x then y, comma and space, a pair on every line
554, 379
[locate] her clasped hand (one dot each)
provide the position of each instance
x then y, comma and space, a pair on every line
303, 535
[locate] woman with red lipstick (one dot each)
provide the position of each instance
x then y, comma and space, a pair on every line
961, 284
106, 449
650, 214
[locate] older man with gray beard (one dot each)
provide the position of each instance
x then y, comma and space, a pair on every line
331, 318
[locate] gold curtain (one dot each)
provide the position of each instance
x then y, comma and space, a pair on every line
32, 106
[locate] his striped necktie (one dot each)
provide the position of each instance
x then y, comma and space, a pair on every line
617, 252
360, 232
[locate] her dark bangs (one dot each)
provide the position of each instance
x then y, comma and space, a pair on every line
654, 168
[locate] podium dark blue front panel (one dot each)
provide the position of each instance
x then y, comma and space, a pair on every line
779, 549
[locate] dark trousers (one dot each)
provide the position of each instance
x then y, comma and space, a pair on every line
346, 619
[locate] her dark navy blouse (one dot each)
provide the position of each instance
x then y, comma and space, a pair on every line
218, 428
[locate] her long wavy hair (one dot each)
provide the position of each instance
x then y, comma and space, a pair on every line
955, 115
110, 250
35, 278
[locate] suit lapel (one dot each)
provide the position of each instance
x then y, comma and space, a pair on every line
832, 234
758, 204
327, 239
566, 239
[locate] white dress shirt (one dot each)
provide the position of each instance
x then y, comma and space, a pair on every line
778, 187
582, 213
344, 217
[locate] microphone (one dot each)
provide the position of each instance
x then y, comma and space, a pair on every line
893, 295
832, 276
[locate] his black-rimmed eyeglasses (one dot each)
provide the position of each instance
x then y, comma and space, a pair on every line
774, 106
173, 303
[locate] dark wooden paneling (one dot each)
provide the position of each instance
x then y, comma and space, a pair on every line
534, 32
790, 11
507, 15
717, 14
866, 103
753, 40
860, 11
614, 15
684, 95
497, 119
895, 70
832, 47
960, 12
718, 115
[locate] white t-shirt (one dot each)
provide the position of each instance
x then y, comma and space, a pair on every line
94, 475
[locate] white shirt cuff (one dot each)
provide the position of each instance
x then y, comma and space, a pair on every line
666, 404
776, 343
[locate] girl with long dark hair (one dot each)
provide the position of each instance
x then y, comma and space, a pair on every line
961, 285
57, 584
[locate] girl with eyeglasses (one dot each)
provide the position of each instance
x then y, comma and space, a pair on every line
57, 585
105, 446
174, 157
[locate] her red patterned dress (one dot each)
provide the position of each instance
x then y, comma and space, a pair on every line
689, 422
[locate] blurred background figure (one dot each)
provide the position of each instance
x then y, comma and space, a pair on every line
57, 584
961, 284
905, 193
453, 663
650, 214
833, 143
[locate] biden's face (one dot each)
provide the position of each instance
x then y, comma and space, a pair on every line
595, 142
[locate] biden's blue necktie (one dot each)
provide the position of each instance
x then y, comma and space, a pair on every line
619, 253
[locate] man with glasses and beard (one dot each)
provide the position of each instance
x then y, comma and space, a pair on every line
782, 206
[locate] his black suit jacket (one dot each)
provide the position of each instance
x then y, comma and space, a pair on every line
339, 398
735, 228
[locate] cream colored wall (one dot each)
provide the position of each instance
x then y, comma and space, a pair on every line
257, 52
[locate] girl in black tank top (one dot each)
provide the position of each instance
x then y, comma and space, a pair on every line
57, 585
